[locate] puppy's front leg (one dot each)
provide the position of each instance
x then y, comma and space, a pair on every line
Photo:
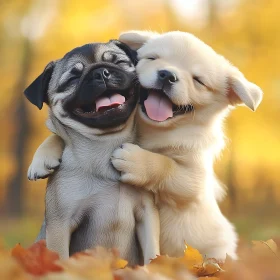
158, 173
140, 167
58, 238
147, 228
47, 158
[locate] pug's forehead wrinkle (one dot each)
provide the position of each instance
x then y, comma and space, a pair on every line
109, 56
79, 66
99, 51
76, 59
114, 56
64, 77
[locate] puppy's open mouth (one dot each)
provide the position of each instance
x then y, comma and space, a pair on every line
158, 107
109, 101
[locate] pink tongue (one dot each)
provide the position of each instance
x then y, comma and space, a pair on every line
115, 99
158, 107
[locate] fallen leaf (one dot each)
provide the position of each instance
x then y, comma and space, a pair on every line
98, 263
37, 259
265, 248
119, 263
37, 263
191, 257
209, 267
10, 269
170, 267
61, 276
139, 273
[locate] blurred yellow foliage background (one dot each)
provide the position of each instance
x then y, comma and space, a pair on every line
34, 32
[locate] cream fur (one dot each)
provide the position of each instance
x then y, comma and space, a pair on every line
176, 157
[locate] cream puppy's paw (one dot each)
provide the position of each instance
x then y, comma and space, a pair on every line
129, 159
43, 166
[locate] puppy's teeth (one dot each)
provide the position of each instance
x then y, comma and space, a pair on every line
79, 110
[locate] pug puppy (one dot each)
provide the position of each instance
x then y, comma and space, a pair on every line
92, 96
187, 91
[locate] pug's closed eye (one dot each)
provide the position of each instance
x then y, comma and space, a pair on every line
77, 69
71, 76
125, 64
122, 61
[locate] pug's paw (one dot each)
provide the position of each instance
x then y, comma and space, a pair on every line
42, 167
129, 159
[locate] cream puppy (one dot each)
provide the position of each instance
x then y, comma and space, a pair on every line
187, 91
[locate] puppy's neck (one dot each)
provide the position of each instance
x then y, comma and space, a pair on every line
200, 133
91, 155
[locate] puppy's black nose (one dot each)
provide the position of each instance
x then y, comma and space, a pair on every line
167, 76
106, 74
101, 74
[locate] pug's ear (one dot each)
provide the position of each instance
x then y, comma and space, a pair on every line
135, 39
36, 93
132, 54
242, 92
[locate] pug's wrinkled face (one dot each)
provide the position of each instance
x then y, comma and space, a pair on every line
92, 86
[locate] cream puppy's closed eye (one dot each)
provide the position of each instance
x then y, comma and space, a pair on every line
188, 71
187, 90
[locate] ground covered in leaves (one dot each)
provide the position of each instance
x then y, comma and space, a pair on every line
259, 261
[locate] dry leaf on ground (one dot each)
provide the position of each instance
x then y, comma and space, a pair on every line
261, 262
37, 259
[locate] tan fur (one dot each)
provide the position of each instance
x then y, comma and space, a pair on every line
176, 157
86, 204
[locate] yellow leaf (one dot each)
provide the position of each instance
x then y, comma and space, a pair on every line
191, 257
139, 273
98, 263
209, 267
169, 267
10, 268
266, 248
119, 263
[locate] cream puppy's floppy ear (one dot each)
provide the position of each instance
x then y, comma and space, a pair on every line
135, 39
241, 91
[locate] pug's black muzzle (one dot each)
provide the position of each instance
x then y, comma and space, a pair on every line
103, 81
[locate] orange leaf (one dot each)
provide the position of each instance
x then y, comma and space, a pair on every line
208, 278
37, 259
98, 263
265, 248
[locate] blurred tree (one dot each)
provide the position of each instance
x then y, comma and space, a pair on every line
32, 29
22, 124
215, 28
